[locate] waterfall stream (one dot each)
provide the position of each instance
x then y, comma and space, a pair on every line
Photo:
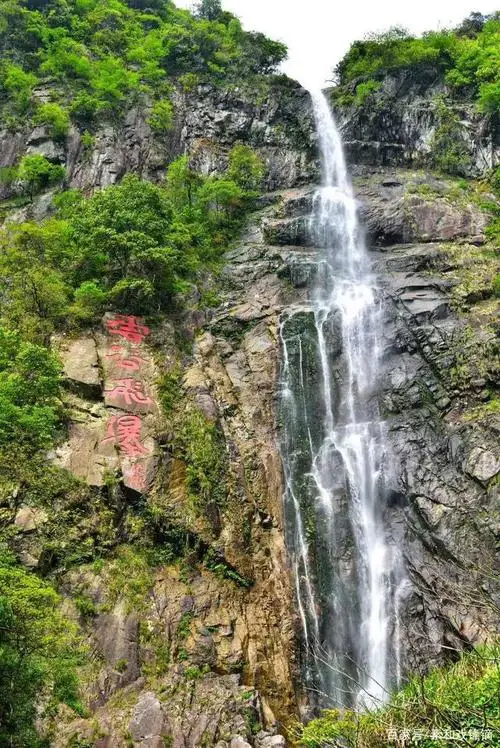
346, 573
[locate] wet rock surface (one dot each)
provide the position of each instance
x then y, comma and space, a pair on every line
444, 462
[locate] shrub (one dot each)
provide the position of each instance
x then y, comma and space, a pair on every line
467, 61
55, 117
365, 90
246, 168
90, 302
462, 697
29, 385
84, 108
449, 150
19, 86
36, 172
38, 650
203, 448
162, 116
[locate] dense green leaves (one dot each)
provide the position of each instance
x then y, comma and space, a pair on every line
104, 55
468, 59
127, 247
36, 172
37, 653
55, 118
29, 384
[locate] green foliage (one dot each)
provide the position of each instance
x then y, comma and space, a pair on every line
245, 168
129, 578
129, 247
195, 673
217, 565
169, 389
34, 295
467, 58
203, 449
209, 9
162, 116
90, 302
461, 697
184, 626
18, 86
36, 173
104, 56
55, 117
85, 605
449, 151
365, 90
120, 237
112, 83
29, 385
37, 653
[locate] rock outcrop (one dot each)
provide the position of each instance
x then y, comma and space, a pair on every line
200, 647
397, 125
438, 368
208, 122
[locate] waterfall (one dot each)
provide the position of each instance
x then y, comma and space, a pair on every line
332, 439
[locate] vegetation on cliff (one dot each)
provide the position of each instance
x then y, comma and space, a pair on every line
97, 58
130, 247
467, 59
451, 706
134, 247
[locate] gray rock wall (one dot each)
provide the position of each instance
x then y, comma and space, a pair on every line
397, 124
207, 123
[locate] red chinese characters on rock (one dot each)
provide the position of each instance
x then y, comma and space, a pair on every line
128, 327
129, 392
124, 360
125, 432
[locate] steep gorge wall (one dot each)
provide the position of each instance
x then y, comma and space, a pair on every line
397, 125
227, 616
436, 392
207, 122
198, 649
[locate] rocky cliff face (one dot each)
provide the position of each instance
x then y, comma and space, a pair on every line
434, 390
204, 651
208, 122
397, 125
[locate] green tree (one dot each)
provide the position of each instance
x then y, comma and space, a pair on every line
162, 116
449, 151
29, 386
55, 117
121, 234
183, 183
246, 168
223, 201
37, 653
33, 291
19, 86
211, 10
36, 172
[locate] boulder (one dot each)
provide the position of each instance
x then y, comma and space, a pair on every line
148, 720
117, 639
30, 518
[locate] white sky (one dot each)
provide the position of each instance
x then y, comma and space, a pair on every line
319, 32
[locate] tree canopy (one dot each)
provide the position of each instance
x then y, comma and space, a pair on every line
466, 58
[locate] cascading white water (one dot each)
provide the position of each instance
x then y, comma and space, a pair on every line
333, 453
